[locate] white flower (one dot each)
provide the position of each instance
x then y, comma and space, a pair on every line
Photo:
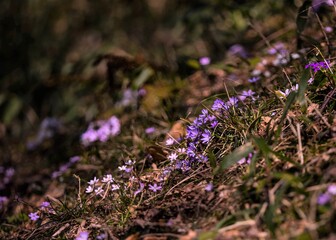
93, 181
89, 189
108, 178
130, 162
173, 156
181, 150
122, 168
169, 141
115, 187
99, 191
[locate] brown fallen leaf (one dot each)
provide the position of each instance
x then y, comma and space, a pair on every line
157, 152
177, 131
190, 236
133, 237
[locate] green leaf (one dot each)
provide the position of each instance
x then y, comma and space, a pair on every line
12, 109
289, 101
143, 77
235, 156
303, 86
193, 63
212, 159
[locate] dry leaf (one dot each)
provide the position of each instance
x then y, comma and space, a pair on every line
133, 237
190, 236
177, 131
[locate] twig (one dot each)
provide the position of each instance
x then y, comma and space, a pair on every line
237, 225
300, 151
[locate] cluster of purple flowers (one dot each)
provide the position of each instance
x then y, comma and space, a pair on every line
45, 207
47, 130
101, 131
326, 197
317, 66
6, 175
63, 168
202, 130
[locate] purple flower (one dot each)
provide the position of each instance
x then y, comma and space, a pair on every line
238, 50
202, 158
150, 130
154, 187
33, 216
204, 61
246, 94
192, 132
142, 185
102, 236
208, 187
323, 199
83, 236
332, 189
233, 101
142, 92
219, 105
206, 136
328, 29
317, 66
74, 159
277, 48
253, 79
191, 150
101, 130
45, 204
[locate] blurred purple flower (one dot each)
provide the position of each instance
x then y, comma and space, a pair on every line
332, 189
328, 29
238, 50
323, 199
253, 79
45, 204
232, 102
150, 130
48, 128
208, 187
83, 236
74, 159
206, 136
101, 130
204, 61
246, 94
142, 185
155, 187
219, 105
33, 216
